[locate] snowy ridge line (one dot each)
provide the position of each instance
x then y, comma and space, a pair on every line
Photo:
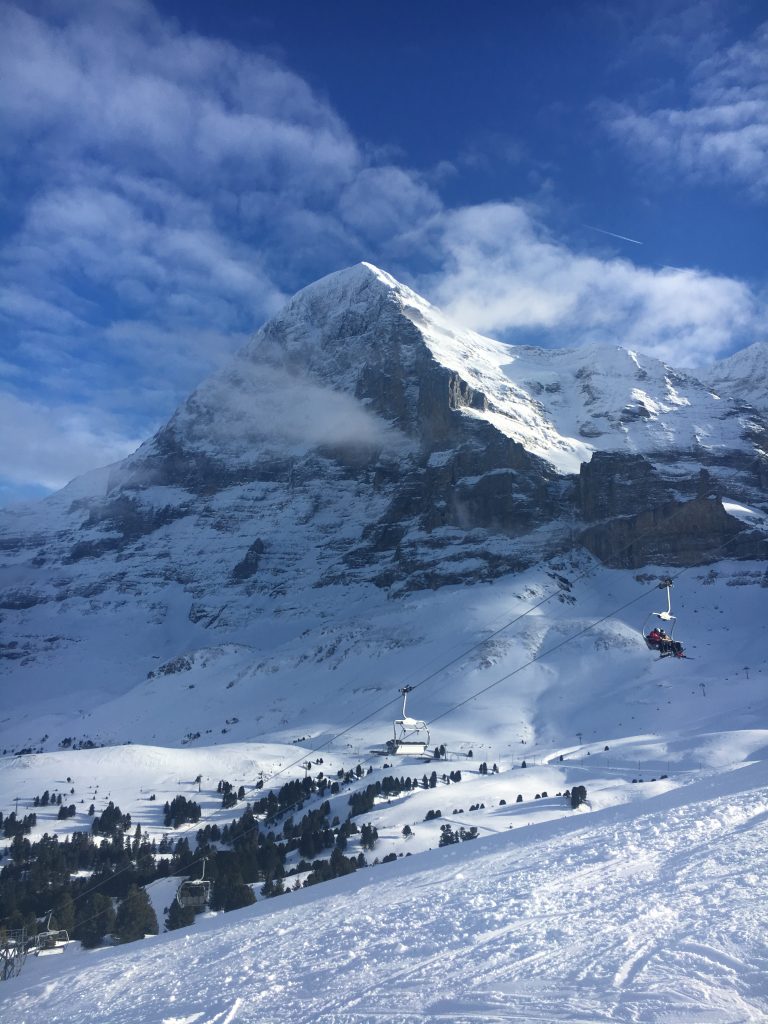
450, 710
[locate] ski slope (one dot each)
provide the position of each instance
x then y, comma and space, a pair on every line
647, 904
654, 911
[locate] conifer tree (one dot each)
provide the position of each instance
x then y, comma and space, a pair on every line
179, 917
64, 918
96, 918
135, 916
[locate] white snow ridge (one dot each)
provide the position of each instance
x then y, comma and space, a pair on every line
370, 498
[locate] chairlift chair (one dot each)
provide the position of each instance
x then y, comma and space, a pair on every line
49, 941
670, 622
411, 735
194, 893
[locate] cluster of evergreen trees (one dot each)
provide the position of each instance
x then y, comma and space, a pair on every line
96, 880
111, 822
448, 835
180, 811
133, 919
47, 798
13, 826
362, 800
43, 874
229, 796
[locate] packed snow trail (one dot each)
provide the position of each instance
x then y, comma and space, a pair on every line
652, 912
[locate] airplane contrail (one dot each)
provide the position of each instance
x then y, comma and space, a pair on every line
613, 234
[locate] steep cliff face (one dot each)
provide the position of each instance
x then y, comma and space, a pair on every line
695, 532
452, 430
347, 390
363, 439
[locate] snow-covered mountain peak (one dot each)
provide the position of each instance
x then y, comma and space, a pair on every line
359, 359
363, 440
361, 332
742, 377
623, 400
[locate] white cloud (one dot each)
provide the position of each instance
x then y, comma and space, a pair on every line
120, 83
247, 404
387, 200
48, 445
503, 274
162, 182
722, 135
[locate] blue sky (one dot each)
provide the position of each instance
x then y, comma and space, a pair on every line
172, 171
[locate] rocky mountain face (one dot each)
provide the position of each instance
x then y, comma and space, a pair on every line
361, 438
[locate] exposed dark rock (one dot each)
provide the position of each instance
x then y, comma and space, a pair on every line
612, 483
689, 533
18, 600
249, 563
93, 548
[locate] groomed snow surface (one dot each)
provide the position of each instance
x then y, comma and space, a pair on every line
652, 911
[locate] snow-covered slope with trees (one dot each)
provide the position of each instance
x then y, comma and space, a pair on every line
652, 911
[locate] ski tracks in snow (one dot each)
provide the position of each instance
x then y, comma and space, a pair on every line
653, 914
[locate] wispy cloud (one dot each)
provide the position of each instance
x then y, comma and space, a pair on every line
721, 134
503, 273
249, 404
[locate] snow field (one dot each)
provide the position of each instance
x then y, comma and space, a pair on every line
650, 912
630, 909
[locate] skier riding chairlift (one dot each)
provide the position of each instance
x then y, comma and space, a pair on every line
657, 639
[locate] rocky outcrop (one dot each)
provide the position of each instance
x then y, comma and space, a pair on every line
614, 483
675, 533
249, 563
